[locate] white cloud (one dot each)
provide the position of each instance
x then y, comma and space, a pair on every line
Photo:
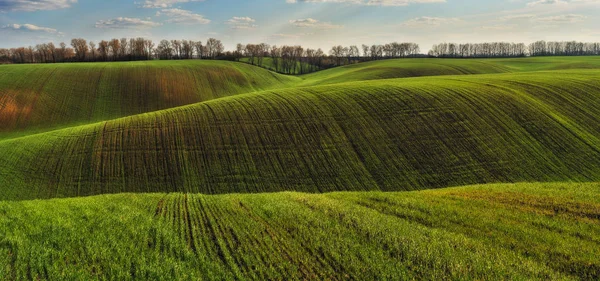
123, 23
567, 18
430, 21
289, 36
313, 23
371, 2
498, 27
34, 5
182, 16
163, 3
30, 28
561, 2
242, 23
518, 17
570, 18
546, 2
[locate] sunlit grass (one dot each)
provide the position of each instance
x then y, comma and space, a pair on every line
387, 135
38, 98
523, 231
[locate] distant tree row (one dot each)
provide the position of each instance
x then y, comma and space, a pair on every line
184, 49
285, 59
41, 53
504, 49
123, 49
571, 48
299, 60
352, 54
480, 50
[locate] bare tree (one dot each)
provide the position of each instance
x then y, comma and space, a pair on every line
199, 49
239, 51
338, 52
176, 44
115, 47
275, 54
81, 48
164, 50
214, 47
93, 50
365, 49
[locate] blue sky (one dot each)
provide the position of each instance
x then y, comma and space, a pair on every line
312, 23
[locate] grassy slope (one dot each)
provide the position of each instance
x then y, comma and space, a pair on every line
43, 97
39, 98
402, 68
494, 232
390, 135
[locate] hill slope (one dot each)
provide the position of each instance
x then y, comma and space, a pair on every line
39, 98
44, 97
390, 135
498, 232
405, 68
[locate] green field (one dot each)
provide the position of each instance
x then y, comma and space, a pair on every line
221, 170
38, 98
387, 69
491, 232
389, 135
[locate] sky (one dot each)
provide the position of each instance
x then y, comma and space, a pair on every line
310, 23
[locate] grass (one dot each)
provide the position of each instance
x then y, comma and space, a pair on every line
389, 135
38, 98
491, 232
404, 68
163, 133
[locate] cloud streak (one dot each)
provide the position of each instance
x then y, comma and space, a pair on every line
430, 21
30, 28
34, 5
370, 2
179, 16
241, 23
313, 23
163, 3
126, 23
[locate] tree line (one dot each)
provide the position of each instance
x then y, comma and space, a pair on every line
124, 49
298, 60
285, 59
505, 50
570, 48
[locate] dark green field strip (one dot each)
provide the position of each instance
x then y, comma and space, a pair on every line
387, 135
403, 68
517, 232
39, 98
45, 97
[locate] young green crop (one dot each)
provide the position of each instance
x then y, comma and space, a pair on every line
517, 232
39, 98
403, 68
387, 135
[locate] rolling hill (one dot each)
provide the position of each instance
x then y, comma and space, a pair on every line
517, 232
168, 135
390, 135
38, 98
406, 68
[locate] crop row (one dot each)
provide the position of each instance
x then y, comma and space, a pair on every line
37, 98
385, 135
524, 231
